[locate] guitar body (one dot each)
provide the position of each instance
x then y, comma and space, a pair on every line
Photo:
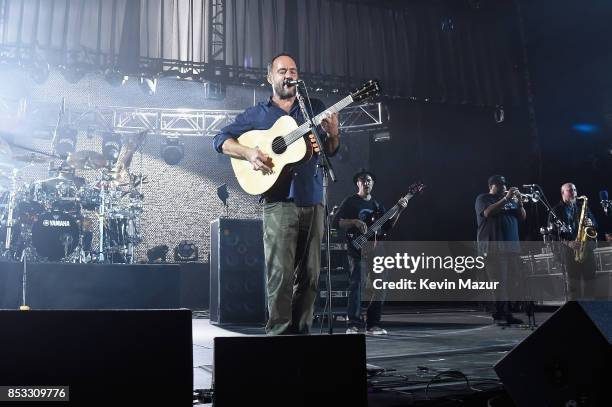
380, 235
256, 182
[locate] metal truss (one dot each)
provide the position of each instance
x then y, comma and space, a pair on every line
216, 32
368, 116
198, 123
187, 122
215, 72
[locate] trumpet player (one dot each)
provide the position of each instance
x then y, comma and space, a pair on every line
498, 214
580, 273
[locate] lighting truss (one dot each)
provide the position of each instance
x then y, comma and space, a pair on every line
189, 122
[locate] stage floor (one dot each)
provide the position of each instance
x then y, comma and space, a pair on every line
421, 343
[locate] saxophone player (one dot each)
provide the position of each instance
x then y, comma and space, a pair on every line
580, 273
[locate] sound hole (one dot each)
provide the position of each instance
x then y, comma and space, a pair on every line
278, 145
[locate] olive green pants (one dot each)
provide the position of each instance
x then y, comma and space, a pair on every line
292, 246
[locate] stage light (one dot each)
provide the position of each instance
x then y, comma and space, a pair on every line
114, 77
111, 145
157, 254
586, 128
499, 114
66, 141
172, 150
382, 136
222, 193
148, 85
186, 251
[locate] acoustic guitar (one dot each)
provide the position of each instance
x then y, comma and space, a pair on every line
285, 143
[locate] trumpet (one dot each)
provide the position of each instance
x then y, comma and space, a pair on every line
532, 197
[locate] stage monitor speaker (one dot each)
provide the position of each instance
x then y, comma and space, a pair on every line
564, 362
292, 370
237, 271
112, 358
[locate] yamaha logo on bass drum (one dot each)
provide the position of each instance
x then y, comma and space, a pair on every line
60, 223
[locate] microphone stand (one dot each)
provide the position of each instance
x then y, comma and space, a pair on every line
328, 174
60, 119
560, 227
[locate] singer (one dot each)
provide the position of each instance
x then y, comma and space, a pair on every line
293, 211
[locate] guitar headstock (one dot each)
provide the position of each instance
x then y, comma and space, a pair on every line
414, 189
369, 89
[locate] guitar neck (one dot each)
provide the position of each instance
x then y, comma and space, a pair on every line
305, 127
381, 221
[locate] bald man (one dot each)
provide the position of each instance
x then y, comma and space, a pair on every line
580, 275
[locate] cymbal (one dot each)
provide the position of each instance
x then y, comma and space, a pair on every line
33, 158
52, 183
86, 160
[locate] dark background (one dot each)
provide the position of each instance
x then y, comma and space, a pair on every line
455, 148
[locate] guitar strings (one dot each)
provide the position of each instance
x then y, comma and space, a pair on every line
299, 132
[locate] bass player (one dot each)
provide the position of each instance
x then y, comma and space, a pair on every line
351, 217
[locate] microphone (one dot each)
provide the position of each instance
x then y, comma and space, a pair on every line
291, 82
530, 185
605, 203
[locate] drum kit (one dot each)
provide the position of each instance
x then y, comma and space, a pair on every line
56, 219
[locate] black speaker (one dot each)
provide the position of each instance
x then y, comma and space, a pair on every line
121, 357
237, 271
292, 370
564, 362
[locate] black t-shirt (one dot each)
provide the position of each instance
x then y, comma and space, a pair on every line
355, 207
499, 227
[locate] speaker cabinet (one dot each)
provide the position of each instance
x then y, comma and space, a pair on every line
292, 370
120, 357
237, 271
564, 362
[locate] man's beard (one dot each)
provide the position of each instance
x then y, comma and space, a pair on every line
284, 92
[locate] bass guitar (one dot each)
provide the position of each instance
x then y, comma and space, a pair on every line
376, 222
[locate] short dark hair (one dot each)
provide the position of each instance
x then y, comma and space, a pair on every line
282, 54
498, 180
361, 174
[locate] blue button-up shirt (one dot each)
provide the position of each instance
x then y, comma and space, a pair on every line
305, 184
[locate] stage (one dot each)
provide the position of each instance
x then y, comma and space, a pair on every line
451, 351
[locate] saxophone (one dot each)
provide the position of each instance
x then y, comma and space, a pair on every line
584, 232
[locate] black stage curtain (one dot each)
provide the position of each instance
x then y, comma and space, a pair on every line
457, 51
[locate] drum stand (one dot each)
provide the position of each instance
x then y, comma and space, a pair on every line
25, 256
101, 216
9, 219
78, 254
